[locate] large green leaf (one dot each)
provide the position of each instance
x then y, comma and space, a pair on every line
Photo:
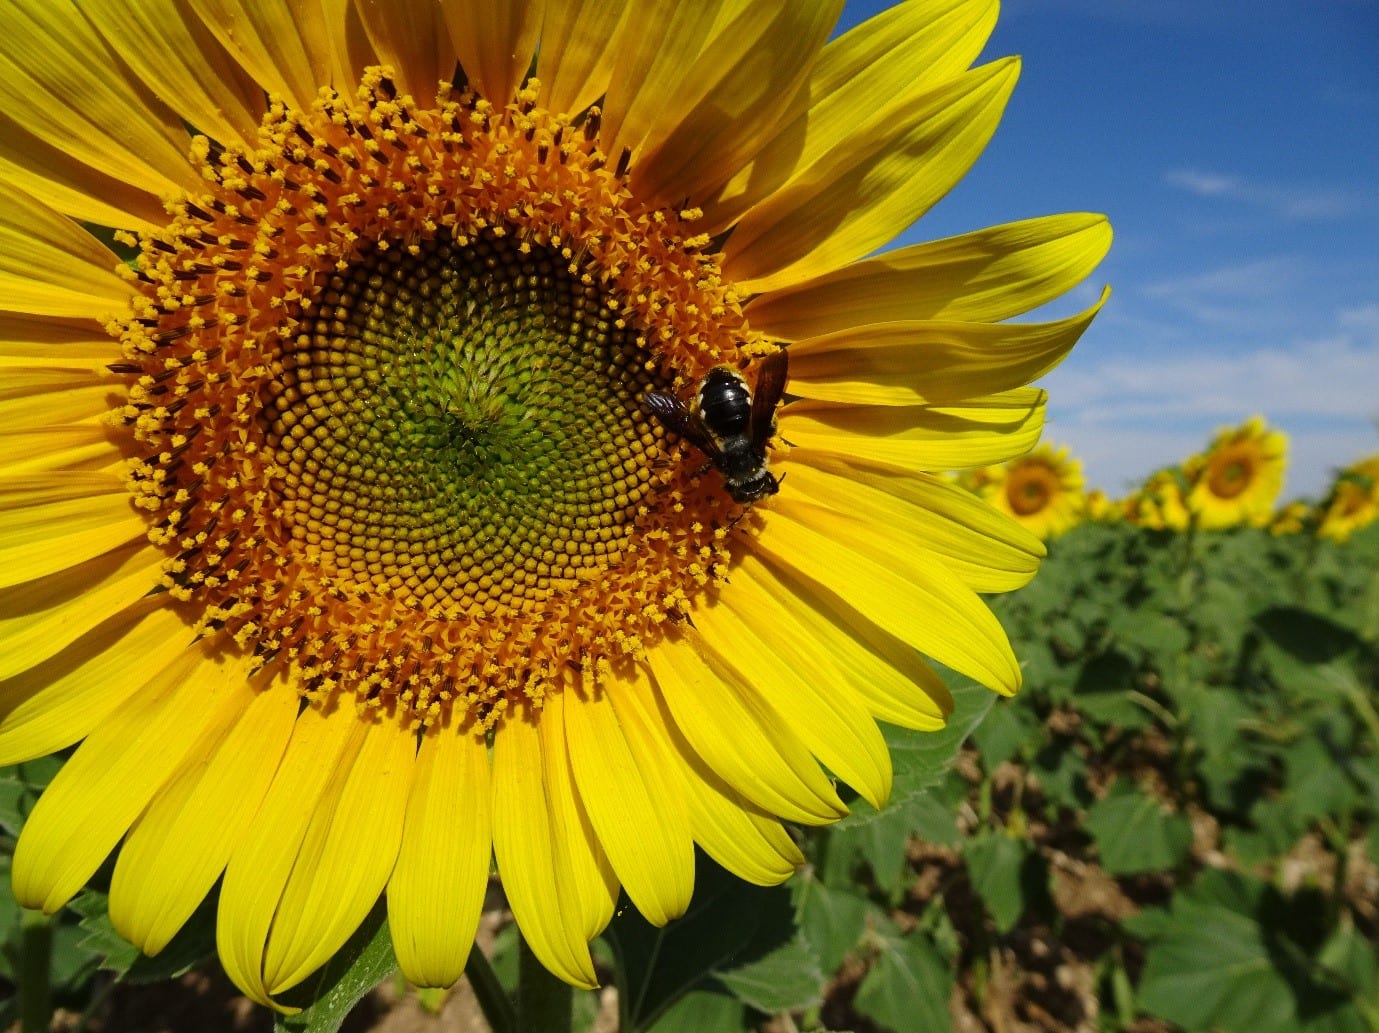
1233, 955
1135, 832
832, 920
908, 986
1006, 875
729, 926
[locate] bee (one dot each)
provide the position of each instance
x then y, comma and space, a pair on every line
731, 424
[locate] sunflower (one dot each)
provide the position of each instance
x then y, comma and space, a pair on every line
1352, 502
1041, 491
1160, 504
1101, 509
1293, 518
1238, 479
337, 527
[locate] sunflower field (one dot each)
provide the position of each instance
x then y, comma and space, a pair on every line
1171, 827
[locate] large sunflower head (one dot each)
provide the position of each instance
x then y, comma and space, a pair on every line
1352, 502
1041, 491
1239, 477
413, 492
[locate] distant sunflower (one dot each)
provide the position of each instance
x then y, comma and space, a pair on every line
1160, 504
1352, 502
1238, 479
1101, 509
1291, 519
1041, 491
337, 525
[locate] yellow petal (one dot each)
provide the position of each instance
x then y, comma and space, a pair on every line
735, 94
71, 403
348, 853
921, 515
77, 446
412, 38
920, 437
878, 66
644, 832
68, 185
60, 81
44, 616
170, 50
649, 67
540, 867
179, 846
823, 711
985, 276
50, 266
735, 833
894, 680
318, 757
576, 55
870, 185
59, 701
288, 47
927, 606
436, 893
112, 776
495, 42
745, 743
48, 531
913, 362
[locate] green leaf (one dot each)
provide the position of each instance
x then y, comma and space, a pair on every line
1298, 645
920, 759
1155, 636
193, 944
788, 978
907, 988
832, 920
1273, 831
1234, 954
1102, 691
1005, 875
729, 924
1317, 777
330, 995
1008, 726
1134, 832
1211, 969
701, 1011
20, 787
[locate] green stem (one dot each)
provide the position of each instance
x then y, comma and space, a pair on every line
545, 1003
494, 1001
35, 966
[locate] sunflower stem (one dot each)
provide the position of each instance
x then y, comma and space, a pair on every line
35, 966
494, 1001
545, 1003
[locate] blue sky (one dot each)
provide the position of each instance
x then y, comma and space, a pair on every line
1233, 145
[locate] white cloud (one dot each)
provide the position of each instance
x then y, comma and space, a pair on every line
1128, 417
1291, 201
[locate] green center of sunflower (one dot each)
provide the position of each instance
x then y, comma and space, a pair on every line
464, 425
387, 401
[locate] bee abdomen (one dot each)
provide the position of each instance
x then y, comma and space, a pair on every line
725, 402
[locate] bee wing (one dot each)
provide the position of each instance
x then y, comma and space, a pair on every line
770, 387
677, 418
